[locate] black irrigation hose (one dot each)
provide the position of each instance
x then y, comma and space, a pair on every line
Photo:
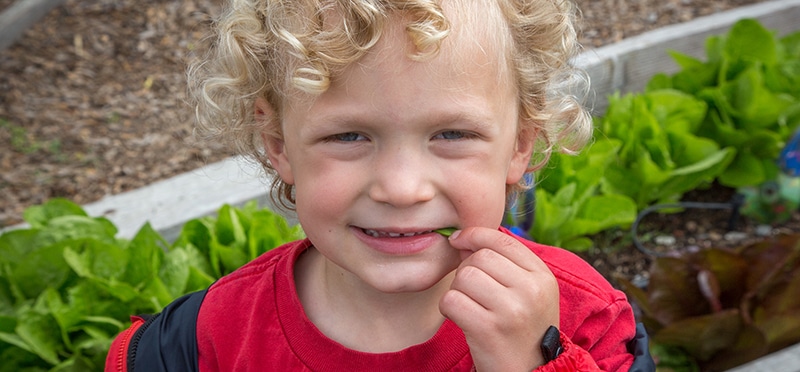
734, 205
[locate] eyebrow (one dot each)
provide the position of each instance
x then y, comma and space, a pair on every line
438, 119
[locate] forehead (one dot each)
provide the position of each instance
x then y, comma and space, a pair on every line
386, 88
478, 35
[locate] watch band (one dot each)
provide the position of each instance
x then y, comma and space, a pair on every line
551, 344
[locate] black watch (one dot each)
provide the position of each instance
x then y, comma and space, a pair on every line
551, 344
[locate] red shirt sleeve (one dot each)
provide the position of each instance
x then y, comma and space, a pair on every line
572, 359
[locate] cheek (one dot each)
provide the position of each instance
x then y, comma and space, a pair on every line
481, 201
322, 193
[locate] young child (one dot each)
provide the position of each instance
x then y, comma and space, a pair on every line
383, 121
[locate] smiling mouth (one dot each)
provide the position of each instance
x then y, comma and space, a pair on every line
384, 234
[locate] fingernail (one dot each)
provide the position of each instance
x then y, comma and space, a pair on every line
454, 235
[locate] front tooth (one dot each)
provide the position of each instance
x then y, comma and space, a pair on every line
395, 235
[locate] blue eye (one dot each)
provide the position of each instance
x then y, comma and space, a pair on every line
347, 137
451, 135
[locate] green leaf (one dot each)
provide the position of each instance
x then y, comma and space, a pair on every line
16, 244
676, 111
685, 61
755, 106
565, 195
197, 280
40, 215
791, 46
76, 363
228, 258
607, 211
14, 339
550, 217
174, 272
749, 40
671, 358
97, 259
688, 178
597, 213
63, 228
582, 244
41, 334
65, 317
714, 48
147, 250
92, 299
638, 180
720, 127
16, 359
267, 231
229, 227
39, 270
744, 170
197, 233
157, 293
658, 82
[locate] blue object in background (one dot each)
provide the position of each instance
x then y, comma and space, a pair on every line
520, 216
789, 159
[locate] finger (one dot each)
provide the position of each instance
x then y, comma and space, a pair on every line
463, 310
499, 268
479, 286
476, 238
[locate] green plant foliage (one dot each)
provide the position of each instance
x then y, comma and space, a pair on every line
724, 119
68, 285
751, 84
724, 307
660, 157
568, 203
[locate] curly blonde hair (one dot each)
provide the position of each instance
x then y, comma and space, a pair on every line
272, 48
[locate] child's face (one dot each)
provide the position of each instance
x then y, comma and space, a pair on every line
395, 149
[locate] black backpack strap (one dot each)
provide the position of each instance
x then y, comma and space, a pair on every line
167, 341
640, 348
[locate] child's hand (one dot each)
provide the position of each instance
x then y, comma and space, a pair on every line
503, 297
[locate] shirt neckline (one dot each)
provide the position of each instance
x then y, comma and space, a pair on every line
442, 352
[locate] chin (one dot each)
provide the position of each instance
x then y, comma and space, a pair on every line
410, 280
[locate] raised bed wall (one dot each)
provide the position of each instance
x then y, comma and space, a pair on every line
19, 16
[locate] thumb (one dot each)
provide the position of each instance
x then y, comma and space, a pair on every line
463, 251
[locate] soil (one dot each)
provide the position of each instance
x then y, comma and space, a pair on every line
92, 104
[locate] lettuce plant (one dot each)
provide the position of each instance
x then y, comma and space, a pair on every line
568, 205
751, 84
68, 285
724, 307
660, 157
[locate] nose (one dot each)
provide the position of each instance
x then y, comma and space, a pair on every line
402, 178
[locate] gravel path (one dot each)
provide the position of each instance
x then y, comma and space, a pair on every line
91, 97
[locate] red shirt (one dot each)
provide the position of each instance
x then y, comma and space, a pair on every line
252, 320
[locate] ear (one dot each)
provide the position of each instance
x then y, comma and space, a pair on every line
521, 158
272, 137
